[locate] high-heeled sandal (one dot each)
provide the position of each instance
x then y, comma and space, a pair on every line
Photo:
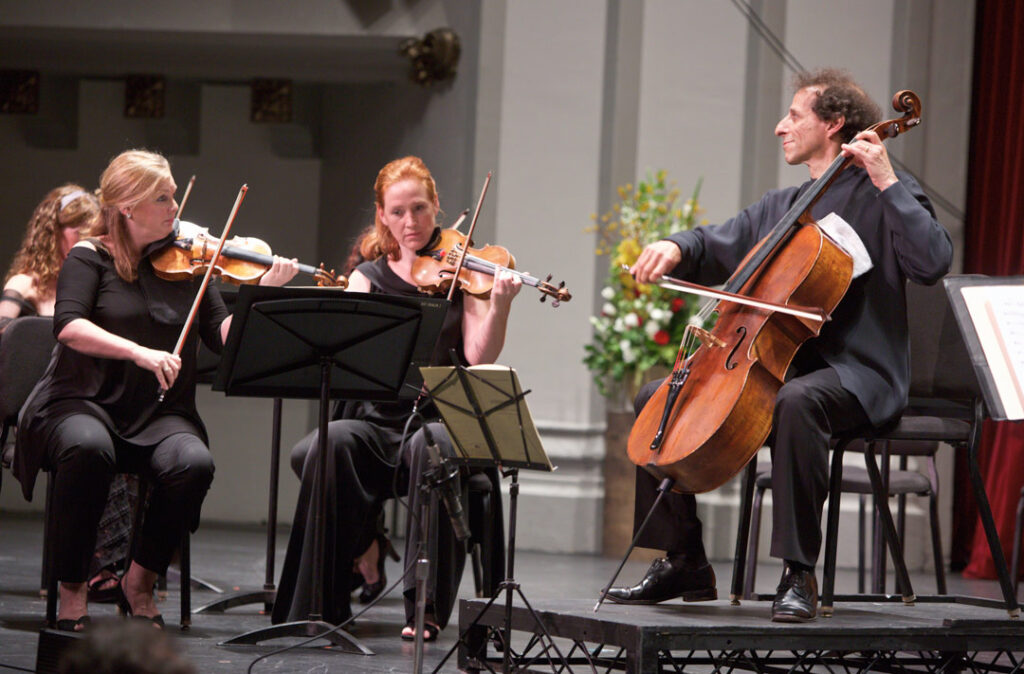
430, 631
125, 608
99, 590
73, 625
372, 590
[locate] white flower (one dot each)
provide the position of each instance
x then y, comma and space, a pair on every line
608, 309
632, 320
607, 293
600, 325
650, 328
627, 351
687, 208
619, 325
659, 315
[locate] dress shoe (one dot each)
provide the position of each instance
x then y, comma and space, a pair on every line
796, 599
668, 580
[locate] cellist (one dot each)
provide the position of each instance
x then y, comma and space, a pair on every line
854, 374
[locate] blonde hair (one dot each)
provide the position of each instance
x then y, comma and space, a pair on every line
131, 177
40, 252
379, 241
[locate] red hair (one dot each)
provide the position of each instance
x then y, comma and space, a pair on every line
379, 241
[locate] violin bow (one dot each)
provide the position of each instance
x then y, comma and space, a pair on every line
462, 216
207, 276
184, 198
469, 236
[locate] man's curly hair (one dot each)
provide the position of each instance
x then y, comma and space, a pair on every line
839, 96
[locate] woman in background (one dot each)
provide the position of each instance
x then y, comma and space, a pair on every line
57, 223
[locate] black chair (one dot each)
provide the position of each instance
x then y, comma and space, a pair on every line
25, 349
900, 483
946, 406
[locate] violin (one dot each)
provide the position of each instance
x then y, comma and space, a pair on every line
242, 260
706, 421
434, 268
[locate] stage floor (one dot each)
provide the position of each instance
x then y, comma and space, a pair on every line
657, 638
235, 556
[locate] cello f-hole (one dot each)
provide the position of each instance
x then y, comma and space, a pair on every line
730, 364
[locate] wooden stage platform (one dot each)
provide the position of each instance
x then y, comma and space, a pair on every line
935, 634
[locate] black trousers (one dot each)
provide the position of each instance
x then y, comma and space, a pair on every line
364, 470
809, 409
86, 456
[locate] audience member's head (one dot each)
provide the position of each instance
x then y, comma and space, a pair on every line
123, 646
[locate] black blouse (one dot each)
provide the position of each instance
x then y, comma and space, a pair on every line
394, 415
150, 312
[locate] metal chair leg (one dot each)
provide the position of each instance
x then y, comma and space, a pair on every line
743, 531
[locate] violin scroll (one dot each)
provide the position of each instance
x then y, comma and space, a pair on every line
558, 294
326, 278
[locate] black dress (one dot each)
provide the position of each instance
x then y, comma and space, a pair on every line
119, 395
366, 464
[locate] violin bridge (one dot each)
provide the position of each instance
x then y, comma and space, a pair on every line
707, 339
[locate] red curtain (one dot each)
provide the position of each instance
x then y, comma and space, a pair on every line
995, 246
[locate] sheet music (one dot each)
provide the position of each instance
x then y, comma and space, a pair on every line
511, 425
847, 238
998, 316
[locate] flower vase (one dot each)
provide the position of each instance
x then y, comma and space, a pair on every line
619, 471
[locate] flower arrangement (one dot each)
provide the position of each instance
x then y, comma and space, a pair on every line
640, 326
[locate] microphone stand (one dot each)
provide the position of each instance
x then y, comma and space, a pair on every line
422, 567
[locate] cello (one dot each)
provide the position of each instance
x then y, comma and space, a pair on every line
712, 414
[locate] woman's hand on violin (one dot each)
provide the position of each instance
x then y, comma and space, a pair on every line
656, 260
870, 154
164, 365
280, 272
506, 287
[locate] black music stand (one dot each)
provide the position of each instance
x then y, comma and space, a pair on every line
484, 410
321, 343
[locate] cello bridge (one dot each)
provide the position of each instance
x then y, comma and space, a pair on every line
706, 338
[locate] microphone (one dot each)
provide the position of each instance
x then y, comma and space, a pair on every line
444, 480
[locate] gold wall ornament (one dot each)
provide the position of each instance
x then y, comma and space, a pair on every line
271, 101
434, 58
19, 92
145, 96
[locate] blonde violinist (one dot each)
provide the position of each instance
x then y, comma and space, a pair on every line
98, 411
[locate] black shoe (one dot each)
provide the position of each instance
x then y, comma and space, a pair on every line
372, 590
665, 580
796, 599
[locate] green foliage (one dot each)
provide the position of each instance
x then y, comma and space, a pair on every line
640, 326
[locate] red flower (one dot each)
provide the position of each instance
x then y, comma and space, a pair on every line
678, 303
661, 337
